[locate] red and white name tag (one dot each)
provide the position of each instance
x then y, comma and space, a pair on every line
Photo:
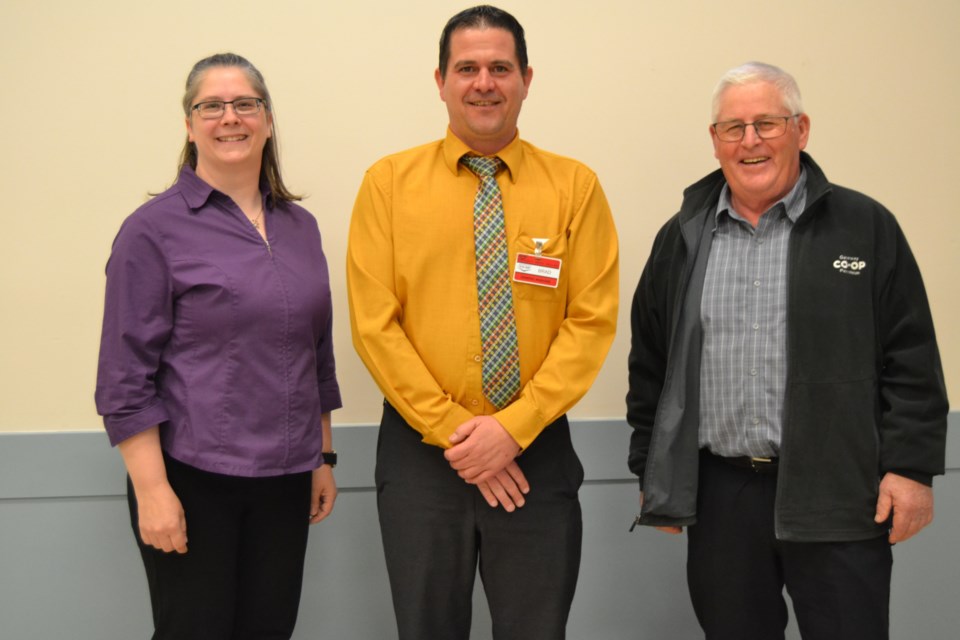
538, 270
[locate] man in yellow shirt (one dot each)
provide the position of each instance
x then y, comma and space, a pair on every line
483, 284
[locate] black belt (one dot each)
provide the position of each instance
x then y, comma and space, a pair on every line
757, 465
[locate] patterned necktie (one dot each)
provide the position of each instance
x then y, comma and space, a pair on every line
498, 330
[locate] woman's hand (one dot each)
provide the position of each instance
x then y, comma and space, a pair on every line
162, 521
323, 495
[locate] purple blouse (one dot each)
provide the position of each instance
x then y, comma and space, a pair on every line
222, 339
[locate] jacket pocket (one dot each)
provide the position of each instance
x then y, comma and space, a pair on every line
830, 459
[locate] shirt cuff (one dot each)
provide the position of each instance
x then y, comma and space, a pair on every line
522, 420
439, 436
121, 427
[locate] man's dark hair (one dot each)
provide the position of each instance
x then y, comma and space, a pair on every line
483, 17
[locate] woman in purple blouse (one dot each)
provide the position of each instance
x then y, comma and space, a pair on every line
216, 376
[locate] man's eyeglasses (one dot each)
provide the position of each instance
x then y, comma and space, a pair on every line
212, 109
766, 128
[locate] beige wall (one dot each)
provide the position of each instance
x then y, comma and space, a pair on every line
91, 122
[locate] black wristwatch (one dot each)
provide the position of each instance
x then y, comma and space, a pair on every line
330, 458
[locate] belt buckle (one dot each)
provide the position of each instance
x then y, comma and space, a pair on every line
757, 463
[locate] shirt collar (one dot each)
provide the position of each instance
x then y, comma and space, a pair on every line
197, 192
793, 203
454, 149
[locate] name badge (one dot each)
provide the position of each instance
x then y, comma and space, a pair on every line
538, 270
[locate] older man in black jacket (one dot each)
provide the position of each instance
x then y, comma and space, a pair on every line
786, 391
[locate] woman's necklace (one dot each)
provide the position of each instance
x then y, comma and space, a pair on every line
257, 220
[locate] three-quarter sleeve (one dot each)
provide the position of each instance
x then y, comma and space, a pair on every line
327, 386
137, 323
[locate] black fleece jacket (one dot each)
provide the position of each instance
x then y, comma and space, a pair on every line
864, 394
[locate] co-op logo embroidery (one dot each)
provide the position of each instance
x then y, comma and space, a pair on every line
852, 266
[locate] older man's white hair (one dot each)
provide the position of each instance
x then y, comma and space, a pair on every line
753, 72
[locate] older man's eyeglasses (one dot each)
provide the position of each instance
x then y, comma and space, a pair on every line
212, 109
766, 128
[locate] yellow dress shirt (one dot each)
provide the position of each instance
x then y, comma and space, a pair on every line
411, 280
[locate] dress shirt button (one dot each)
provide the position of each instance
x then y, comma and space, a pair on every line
474, 402
756, 283
756, 421
753, 372
478, 358
756, 326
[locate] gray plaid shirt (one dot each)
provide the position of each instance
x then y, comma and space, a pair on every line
743, 365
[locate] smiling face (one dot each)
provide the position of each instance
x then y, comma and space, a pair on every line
230, 142
483, 88
759, 172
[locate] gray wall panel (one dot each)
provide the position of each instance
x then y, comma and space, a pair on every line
69, 567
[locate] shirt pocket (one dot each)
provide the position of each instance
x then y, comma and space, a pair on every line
554, 247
